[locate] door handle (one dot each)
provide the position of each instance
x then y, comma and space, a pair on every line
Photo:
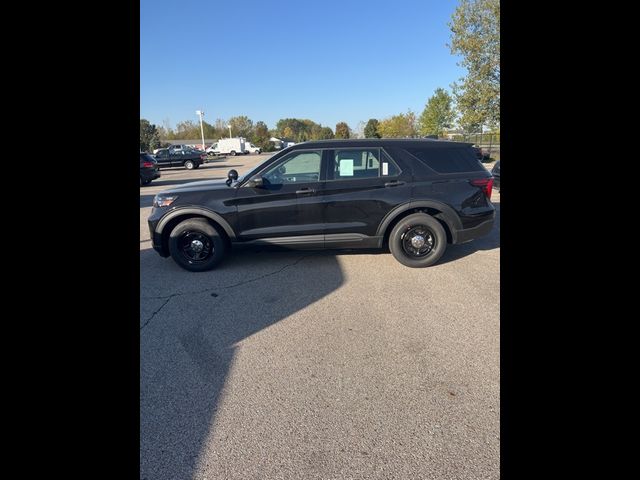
395, 183
305, 190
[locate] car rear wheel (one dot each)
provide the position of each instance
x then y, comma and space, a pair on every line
418, 240
188, 165
196, 245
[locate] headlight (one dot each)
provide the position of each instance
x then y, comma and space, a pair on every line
163, 200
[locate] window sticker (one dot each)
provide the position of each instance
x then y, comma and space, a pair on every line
346, 168
385, 168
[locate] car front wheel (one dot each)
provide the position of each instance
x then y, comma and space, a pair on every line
196, 245
418, 240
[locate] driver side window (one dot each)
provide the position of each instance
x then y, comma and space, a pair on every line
298, 167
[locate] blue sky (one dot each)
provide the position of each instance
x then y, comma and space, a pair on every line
326, 60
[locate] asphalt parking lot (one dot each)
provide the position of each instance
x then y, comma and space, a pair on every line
318, 365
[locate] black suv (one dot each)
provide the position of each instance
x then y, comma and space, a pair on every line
415, 196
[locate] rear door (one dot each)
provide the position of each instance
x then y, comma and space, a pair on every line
363, 185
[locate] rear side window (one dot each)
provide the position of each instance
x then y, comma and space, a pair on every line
389, 167
357, 163
145, 157
448, 160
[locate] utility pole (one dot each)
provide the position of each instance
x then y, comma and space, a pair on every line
200, 113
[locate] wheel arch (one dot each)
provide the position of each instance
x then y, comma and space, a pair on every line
440, 211
171, 219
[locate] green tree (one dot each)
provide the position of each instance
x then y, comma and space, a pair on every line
261, 136
301, 130
288, 133
149, 137
325, 133
398, 126
475, 36
294, 129
188, 130
371, 129
438, 114
342, 130
241, 126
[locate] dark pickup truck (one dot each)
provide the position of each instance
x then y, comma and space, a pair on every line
188, 159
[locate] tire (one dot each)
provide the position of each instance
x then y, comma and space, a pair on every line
141, 182
189, 165
429, 245
145, 182
181, 245
232, 153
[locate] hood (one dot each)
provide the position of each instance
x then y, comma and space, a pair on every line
202, 186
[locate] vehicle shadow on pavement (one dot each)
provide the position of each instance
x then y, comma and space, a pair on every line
192, 326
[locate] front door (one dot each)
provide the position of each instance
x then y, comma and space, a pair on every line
289, 204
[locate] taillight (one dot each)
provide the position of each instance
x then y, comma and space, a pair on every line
148, 164
486, 184
202, 157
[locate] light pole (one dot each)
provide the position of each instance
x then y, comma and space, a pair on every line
229, 126
201, 114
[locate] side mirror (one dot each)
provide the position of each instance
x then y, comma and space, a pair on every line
232, 176
255, 182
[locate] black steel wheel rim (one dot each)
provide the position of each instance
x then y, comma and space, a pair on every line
195, 247
418, 241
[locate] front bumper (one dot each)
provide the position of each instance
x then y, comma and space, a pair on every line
156, 238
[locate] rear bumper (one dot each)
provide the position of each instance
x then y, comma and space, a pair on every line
468, 234
148, 175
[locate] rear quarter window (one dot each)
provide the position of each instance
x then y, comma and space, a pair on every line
448, 160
